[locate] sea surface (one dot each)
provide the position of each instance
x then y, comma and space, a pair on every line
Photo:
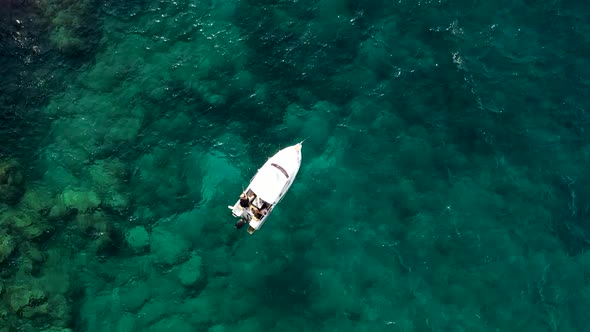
444, 185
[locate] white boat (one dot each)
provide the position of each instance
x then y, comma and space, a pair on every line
266, 189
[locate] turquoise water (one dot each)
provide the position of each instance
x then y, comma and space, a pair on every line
444, 183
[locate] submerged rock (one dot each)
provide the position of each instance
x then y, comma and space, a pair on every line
190, 271
137, 238
99, 231
6, 246
20, 296
72, 25
172, 324
81, 200
116, 201
107, 174
29, 225
12, 182
38, 200
168, 248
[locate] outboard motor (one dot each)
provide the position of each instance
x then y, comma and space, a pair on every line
240, 223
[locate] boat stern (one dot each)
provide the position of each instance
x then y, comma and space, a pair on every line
236, 210
255, 224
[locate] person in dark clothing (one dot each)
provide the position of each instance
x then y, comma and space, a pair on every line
244, 201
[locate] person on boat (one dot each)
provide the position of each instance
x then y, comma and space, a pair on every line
244, 201
255, 212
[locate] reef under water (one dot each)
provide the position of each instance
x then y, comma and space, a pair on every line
444, 183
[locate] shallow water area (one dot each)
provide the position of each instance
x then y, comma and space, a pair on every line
444, 182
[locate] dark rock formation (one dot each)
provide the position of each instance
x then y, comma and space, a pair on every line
12, 182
